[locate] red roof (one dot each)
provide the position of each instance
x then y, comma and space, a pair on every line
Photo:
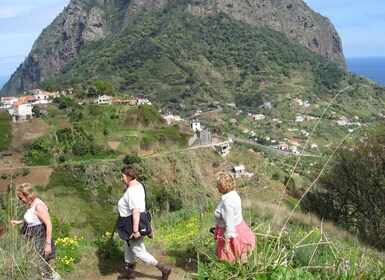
23, 100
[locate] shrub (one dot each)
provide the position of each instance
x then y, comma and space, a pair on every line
15, 174
131, 159
67, 253
25, 171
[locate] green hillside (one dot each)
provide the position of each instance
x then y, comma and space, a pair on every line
181, 198
176, 57
249, 83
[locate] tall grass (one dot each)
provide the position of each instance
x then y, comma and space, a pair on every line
18, 259
289, 248
303, 249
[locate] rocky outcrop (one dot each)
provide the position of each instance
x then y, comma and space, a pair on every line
291, 17
90, 20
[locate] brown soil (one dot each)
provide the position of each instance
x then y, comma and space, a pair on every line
143, 272
114, 144
23, 133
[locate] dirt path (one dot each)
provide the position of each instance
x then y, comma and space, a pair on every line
143, 272
97, 267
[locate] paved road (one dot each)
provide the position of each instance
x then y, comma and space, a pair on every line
276, 151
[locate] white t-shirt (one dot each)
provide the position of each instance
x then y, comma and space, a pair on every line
134, 197
228, 213
30, 217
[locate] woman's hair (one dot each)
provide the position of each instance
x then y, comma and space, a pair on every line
129, 170
27, 190
226, 180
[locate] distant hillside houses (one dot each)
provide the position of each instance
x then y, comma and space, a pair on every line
302, 103
21, 107
109, 100
6, 102
170, 118
256, 117
43, 96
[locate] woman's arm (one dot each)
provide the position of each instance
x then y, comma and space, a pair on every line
42, 212
16, 222
135, 222
228, 215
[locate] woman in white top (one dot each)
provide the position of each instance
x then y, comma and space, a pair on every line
235, 240
37, 226
131, 204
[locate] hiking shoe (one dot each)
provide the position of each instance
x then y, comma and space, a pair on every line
166, 271
127, 274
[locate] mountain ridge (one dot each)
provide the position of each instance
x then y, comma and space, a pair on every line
82, 23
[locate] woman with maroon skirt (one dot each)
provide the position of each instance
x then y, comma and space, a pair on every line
235, 240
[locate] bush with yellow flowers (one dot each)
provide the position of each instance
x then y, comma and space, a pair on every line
67, 253
113, 244
179, 235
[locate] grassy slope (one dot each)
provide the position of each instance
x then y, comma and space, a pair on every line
5, 128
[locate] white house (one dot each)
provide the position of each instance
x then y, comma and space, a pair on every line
239, 170
43, 97
299, 118
195, 125
23, 107
313, 146
258, 117
6, 102
342, 121
104, 99
140, 101
170, 117
283, 146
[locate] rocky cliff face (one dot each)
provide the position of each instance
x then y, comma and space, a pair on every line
90, 20
291, 17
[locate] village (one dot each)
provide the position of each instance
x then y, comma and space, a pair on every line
21, 108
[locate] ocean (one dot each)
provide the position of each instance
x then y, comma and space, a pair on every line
371, 67
3, 80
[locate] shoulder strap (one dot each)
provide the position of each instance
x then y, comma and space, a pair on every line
145, 194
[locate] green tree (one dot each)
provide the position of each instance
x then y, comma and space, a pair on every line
352, 192
103, 87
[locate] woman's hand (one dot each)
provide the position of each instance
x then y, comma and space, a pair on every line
47, 249
16, 222
135, 235
226, 248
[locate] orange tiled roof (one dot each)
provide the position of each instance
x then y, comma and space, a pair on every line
23, 100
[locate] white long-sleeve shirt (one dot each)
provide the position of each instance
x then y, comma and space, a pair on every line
228, 213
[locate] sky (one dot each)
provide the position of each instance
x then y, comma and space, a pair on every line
360, 24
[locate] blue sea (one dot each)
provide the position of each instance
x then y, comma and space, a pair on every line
371, 67
3, 80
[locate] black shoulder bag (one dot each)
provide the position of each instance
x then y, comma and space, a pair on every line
124, 225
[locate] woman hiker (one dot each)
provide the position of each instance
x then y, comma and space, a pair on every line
131, 204
37, 227
235, 240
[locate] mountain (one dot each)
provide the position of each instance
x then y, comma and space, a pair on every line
171, 50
